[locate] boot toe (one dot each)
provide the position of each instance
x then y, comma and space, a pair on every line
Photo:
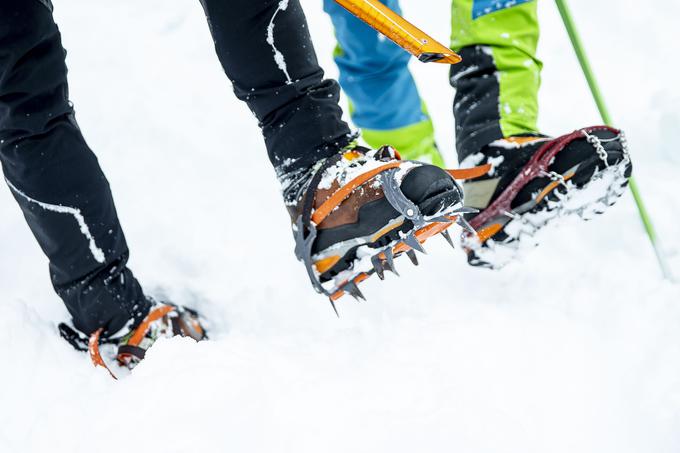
431, 188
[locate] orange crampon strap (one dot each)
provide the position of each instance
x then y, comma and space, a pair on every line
154, 315
95, 354
345, 191
135, 339
470, 173
424, 227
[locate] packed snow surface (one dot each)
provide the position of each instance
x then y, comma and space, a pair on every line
575, 348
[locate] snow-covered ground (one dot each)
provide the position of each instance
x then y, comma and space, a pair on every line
574, 349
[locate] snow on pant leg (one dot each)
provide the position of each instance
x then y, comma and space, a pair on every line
265, 49
384, 99
55, 177
497, 83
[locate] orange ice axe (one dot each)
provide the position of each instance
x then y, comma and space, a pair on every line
402, 32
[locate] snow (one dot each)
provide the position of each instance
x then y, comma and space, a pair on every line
346, 170
575, 348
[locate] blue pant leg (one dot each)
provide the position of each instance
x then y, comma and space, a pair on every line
374, 73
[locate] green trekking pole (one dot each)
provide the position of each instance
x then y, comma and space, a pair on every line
599, 100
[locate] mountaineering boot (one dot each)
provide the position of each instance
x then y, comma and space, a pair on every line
164, 320
359, 209
530, 181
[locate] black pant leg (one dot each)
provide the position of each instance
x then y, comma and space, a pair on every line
266, 50
476, 105
56, 178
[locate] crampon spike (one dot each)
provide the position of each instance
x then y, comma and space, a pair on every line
389, 256
441, 219
378, 267
413, 257
352, 289
335, 309
466, 210
447, 236
412, 241
465, 224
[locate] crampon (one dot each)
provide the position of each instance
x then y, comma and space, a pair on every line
362, 209
534, 181
120, 355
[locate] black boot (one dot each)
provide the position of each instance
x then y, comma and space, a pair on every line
532, 181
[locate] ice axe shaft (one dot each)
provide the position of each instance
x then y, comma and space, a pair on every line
402, 32
604, 112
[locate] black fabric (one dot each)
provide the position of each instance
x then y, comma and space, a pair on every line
73, 337
299, 113
134, 351
56, 178
476, 105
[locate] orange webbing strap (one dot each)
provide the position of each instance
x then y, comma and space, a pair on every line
154, 315
95, 355
338, 197
135, 339
470, 173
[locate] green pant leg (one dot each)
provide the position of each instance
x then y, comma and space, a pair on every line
414, 142
497, 83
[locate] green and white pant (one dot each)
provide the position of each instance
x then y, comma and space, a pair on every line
496, 84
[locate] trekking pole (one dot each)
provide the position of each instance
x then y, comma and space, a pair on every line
599, 100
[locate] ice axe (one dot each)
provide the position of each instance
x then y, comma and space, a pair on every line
402, 32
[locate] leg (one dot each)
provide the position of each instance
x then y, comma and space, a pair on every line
265, 49
349, 205
384, 98
55, 177
527, 180
497, 83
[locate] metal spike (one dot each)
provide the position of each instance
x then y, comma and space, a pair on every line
391, 268
334, 308
465, 210
447, 236
378, 266
352, 289
412, 256
389, 265
440, 219
412, 241
462, 221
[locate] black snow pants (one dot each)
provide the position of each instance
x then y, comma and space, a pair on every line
266, 51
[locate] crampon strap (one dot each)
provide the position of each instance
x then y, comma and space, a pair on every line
537, 166
309, 219
469, 173
131, 348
